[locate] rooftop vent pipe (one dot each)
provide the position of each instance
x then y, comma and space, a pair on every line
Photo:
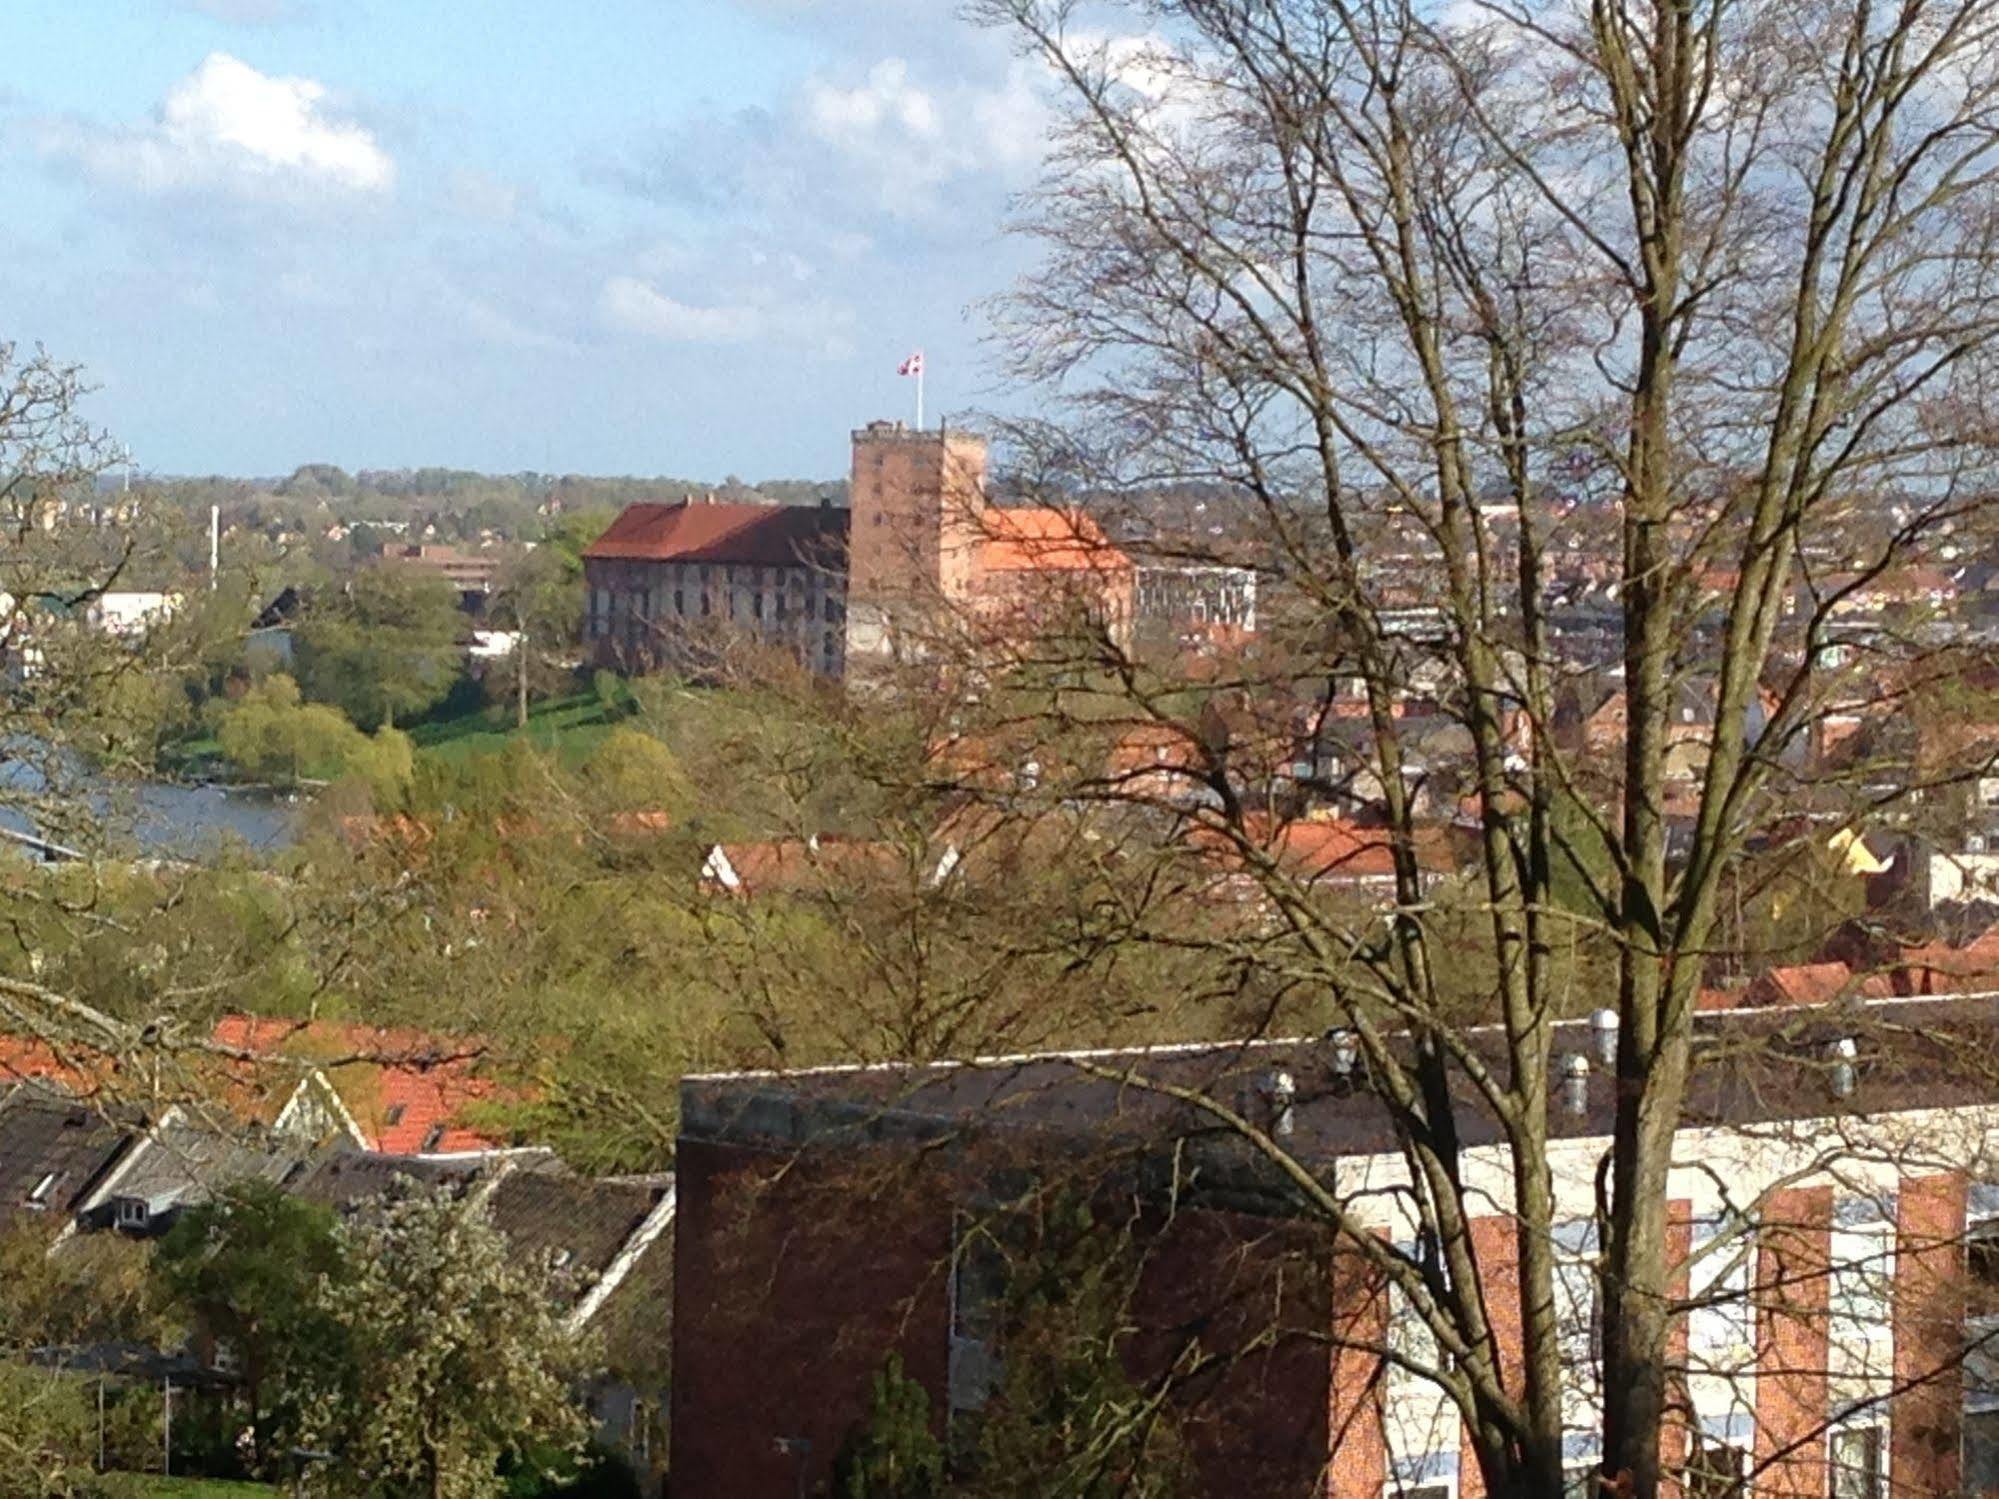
1346, 1051
1575, 1085
1282, 1091
1603, 1036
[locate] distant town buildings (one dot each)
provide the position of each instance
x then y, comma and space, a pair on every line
920, 549
468, 572
1197, 595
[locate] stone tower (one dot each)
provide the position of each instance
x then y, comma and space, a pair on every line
912, 548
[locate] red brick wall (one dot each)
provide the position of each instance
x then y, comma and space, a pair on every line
1248, 1296
1929, 1314
1357, 1464
1496, 1243
788, 1294
1675, 1438
1793, 1262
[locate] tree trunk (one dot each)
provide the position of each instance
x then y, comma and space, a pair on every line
521, 677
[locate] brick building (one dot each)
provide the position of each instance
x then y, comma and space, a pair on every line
667, 582
844, 588
1837, 1228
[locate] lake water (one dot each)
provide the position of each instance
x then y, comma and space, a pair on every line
165, 819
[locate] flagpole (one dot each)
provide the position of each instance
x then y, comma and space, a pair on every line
919, 392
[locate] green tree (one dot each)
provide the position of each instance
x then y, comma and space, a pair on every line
892, 1453
271, 734
385, 648
631, 771
540, 599
457, 1359
1067, 1421
47, 1435
249, 1267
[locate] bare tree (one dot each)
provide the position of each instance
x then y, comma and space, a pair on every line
1417, 316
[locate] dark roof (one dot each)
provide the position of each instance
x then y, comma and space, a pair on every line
350, 1178
705, 531
181, 1162
280, 610
1752, 1066
44, 1133
582, 1225
580, 1222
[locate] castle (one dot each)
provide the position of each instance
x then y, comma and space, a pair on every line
920, 551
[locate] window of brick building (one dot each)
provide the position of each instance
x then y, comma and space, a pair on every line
1719, 1470
978, 1297
1980, 1427
1855, 1463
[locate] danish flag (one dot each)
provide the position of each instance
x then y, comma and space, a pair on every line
913, 365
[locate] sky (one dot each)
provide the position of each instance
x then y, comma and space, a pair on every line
689, 237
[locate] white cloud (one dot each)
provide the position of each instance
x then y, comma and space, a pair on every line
886, 106
767, 305
636, 307
227, 125
481, 195
853, 146
904, 139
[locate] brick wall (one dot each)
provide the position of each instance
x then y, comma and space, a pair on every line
1929, 1313
788, 1295
1793, 1263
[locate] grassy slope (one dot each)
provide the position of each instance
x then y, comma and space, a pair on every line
572, 726
145, 1486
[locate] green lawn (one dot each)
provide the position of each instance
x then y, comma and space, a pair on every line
145, 1486
572, 726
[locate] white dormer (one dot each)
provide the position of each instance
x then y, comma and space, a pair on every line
717, 870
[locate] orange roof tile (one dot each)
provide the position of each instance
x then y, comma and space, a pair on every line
695, 531
1043, 539
800, 864
406, 1089
1332, 851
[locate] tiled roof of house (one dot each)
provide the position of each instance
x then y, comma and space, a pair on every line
697, 531
1330, 851
180, 1161
1813, 984
797, 865
24, 1059
407, 1090
347, 1179
1040, 539
53, 1150
581, 1224
593, 1232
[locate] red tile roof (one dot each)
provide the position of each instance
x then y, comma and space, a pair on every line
1332, 851
23, 1059
407, 1090
704, 531
799, 864
1812, 984
1937, 968
1040, 539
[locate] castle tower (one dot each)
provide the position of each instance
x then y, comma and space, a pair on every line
917, 501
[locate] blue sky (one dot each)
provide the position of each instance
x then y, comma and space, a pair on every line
622, 236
